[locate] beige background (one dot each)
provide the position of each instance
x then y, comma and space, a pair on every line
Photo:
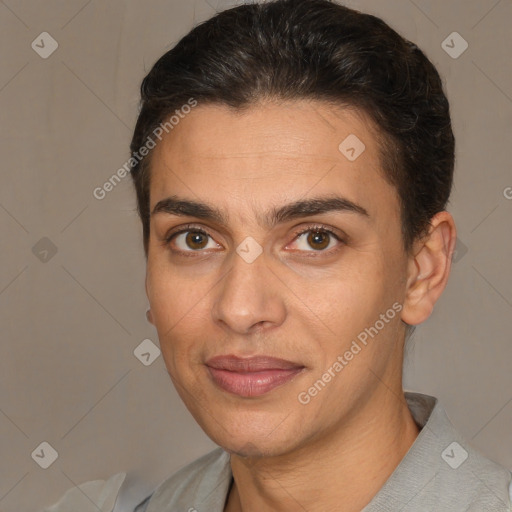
69, 325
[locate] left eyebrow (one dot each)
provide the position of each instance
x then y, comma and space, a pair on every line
314, 206
277, 215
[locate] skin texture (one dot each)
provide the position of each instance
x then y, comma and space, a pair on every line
297, 301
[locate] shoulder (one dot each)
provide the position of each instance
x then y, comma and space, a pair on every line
462, 474
489, 482
442, 470
205, 480
482, 481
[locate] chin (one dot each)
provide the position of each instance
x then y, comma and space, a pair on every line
255, 449
252, 437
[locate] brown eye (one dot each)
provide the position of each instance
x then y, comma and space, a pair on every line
190, 240
196, 240
318, 240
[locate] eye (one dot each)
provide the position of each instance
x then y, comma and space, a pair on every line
190, 239
316, 239
312, 239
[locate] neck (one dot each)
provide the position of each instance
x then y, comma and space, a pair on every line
348, 464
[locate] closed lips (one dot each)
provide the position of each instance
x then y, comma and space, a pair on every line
251, 376
251, 364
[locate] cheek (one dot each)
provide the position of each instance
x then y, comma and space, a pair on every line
328, 312
172, 296
181, 313
351, 300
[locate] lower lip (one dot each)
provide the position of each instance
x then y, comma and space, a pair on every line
252, 384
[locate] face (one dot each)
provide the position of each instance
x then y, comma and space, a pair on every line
274, 254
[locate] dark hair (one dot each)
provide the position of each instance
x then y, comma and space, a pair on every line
319, 50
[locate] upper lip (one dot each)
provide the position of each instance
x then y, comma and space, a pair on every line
250, 364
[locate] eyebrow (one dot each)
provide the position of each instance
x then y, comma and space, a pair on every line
314, 206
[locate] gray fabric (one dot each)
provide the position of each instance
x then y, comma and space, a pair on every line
142, 506
434, 475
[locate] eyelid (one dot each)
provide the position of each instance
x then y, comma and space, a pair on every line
183, 229
319, 227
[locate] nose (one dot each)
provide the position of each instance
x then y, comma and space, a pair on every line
250, 297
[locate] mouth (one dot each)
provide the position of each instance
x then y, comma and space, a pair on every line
251, 376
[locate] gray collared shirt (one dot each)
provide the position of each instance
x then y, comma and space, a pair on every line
440, 472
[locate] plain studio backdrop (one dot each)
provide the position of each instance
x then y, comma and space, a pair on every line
72, 301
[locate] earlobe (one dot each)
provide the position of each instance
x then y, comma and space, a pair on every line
429, 269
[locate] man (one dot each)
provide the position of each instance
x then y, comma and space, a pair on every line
293, 209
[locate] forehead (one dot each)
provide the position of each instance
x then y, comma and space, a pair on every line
270, 152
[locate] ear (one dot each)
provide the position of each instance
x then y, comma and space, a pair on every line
429, 268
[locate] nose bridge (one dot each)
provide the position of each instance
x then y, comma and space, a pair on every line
248, 294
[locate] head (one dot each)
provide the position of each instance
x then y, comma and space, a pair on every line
267, 121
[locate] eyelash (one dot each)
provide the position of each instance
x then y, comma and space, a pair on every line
312, 228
